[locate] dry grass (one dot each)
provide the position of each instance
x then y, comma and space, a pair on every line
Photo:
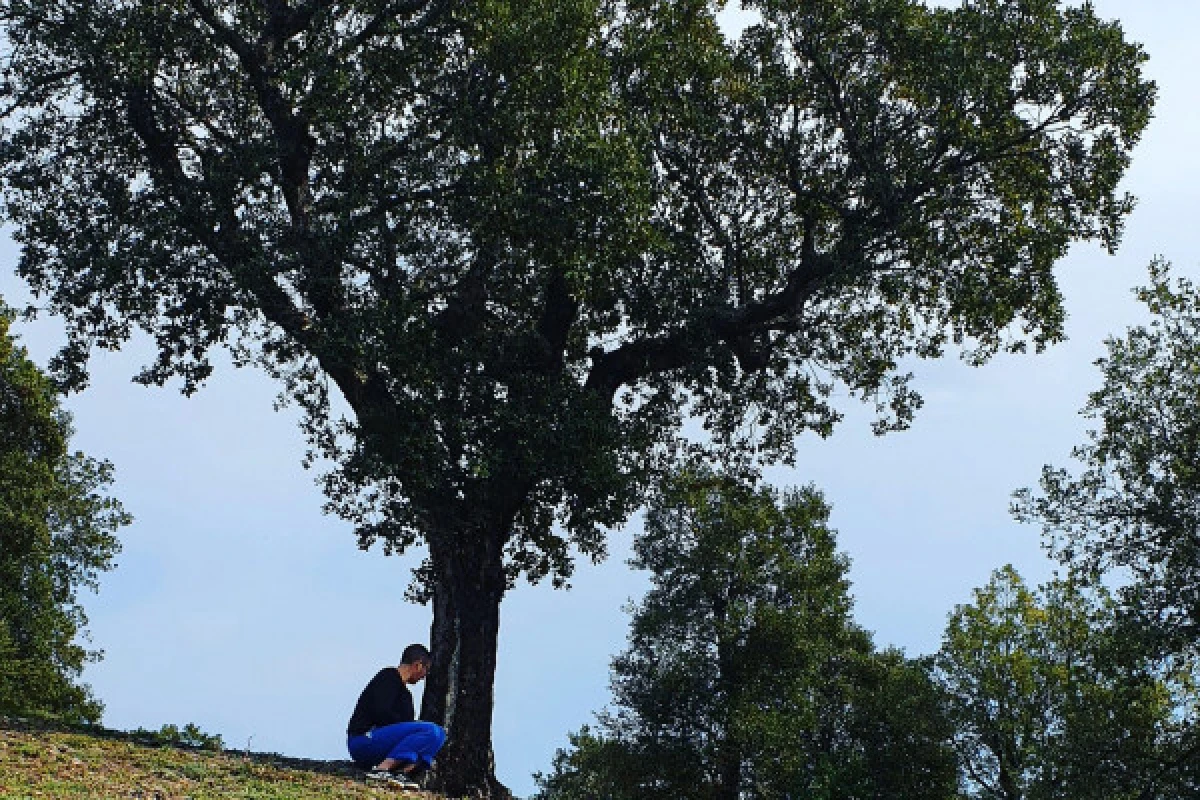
38, 761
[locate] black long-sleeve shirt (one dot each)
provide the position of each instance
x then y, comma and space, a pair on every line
385, 701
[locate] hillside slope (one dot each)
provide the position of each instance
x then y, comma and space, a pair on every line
38, 761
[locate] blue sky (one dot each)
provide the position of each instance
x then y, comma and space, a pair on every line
239, 606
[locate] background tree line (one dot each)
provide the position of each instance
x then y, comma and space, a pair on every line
746, 677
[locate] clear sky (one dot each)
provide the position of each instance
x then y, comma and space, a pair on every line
239, 606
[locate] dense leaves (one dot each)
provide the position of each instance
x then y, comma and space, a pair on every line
1133, 510
485, 223
57, 533
525, 239
1049, 699
745, 676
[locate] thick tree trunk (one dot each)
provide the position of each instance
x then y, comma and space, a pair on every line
459, 693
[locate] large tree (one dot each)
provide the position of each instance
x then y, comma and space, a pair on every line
57, 533
525, 239
746, 676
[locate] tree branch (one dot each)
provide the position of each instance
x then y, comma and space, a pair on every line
559, 313
466, 303
434, 9
292, 136
676, 169
226, 35
36, 94
294, 142
285, 21
159, 146
244, 266
642, 358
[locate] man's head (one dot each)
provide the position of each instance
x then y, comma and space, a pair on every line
414, 663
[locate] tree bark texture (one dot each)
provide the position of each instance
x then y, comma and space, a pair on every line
460, 690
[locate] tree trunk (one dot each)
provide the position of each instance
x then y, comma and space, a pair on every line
459, 692
729, 754
729, 769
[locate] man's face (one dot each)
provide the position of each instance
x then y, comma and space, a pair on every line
419, 671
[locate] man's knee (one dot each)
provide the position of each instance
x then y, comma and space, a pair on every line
434, 732
434, 736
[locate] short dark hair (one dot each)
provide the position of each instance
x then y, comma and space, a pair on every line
414, 653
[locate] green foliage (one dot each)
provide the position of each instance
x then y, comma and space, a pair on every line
1050, 700
745, 676
1133, 510
525, 239
189, 735
593, 767
57, 533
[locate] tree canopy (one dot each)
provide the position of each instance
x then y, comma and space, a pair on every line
525, 239
1049, 699
57, 534
469, 216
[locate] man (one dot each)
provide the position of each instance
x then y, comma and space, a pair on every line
383, 735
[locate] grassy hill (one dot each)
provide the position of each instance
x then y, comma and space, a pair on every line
42, 761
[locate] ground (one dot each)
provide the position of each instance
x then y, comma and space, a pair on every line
42, 760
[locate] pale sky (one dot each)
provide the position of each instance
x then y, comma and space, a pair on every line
239, 606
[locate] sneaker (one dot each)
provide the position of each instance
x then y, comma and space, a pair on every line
395, 781
417, 773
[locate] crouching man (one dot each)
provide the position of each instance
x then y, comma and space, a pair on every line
383, 735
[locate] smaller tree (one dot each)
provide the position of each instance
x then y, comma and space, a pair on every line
57, 533
745, 676
1050, 701
1133, 511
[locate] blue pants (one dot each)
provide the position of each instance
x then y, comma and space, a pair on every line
407, 742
